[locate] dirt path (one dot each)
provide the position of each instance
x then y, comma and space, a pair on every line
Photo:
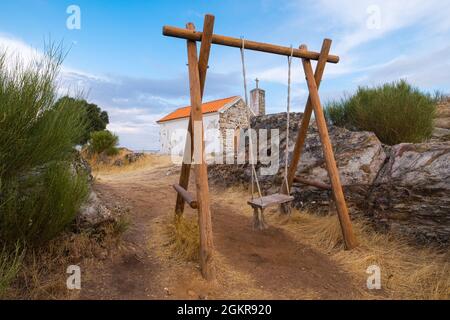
251, 264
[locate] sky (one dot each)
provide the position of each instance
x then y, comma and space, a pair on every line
120, 60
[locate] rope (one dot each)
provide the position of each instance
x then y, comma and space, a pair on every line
288, 121
254, 174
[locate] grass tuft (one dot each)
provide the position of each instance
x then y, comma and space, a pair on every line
184, 238
10, 264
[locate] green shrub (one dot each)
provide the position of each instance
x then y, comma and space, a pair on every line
39, 191
395, 112
33, 130
104, 142
39, 206
96, 119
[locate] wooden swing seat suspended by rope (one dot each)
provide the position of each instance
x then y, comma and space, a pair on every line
270, 200
262, 202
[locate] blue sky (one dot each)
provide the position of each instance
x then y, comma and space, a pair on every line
120, 59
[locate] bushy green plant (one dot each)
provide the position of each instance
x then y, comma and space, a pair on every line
39, 191
39, 206
395, 112
104, 142
33, 130
96, 119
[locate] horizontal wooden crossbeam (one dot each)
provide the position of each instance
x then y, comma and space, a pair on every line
250, 45
312, 183
186, 195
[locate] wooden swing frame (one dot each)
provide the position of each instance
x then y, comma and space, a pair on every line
198, 66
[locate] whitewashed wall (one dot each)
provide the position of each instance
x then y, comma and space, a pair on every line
173, 135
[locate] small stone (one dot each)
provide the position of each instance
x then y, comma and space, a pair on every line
191, 293
103, 255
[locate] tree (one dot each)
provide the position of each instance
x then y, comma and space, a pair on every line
96, 119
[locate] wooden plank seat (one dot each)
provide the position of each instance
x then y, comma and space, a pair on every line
186, 195
271, 200
260, 204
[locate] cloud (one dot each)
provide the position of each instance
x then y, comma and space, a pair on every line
134, 104
431, 74
17, 49
351, 18
405, 43
135, 127
347, 21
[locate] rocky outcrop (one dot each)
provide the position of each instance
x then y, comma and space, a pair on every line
134, 157
404, 188
412, 192
359, 156
128, 158
93, 212
80, 166
442, 121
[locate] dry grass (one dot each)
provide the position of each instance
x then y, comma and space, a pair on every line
146, 162
176, 244
408, 272
183, 238
43, 272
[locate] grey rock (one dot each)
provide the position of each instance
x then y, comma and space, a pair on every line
94, 212
412, 192
133, 157
80, 166
442, 123
440, 134
118, 163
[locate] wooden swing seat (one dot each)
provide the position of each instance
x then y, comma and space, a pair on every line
271, 200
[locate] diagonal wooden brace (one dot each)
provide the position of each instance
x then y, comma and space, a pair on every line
200, 168
205, 49
341, 206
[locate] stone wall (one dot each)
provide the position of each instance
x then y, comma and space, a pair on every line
442, 121
233, 118
404, 188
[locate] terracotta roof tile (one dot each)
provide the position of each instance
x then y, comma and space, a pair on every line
207, 107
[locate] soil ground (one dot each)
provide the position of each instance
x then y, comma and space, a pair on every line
250, 264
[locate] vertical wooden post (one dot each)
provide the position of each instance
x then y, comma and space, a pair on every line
303, 131
344, 218
200, 169
208, 28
